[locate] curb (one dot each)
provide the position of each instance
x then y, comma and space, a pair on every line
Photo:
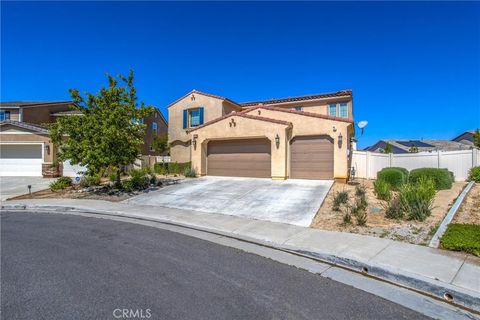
463, 298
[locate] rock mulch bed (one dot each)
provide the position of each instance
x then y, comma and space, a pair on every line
378, 225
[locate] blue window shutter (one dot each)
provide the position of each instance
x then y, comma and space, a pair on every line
201, 115
185, 119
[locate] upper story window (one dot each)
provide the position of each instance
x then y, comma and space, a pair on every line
192, 118
343, 110
4, 115
154, 127
332, 109
138, 121
299, 108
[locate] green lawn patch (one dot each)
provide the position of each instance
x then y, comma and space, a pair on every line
462, 237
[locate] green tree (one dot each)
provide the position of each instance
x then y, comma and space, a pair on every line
388, 148
160, 143
108, 133
476, 139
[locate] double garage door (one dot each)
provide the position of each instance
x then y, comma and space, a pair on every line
311, 158
21, 160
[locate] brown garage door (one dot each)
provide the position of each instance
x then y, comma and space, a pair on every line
239, 158
311, 158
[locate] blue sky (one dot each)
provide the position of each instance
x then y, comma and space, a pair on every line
414, 68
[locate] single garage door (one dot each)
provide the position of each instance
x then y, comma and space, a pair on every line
311, 158
239, 158
21, 160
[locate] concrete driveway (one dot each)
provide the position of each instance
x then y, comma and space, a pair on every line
16, 186
291, 201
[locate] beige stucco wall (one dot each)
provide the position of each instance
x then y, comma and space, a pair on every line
9, 134
213, 108
307, 126
243, 128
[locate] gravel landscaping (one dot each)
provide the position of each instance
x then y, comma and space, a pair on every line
416, 232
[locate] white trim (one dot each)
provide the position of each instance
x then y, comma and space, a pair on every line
6, 132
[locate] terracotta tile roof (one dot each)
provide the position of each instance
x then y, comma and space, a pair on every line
26, 125
302, 113
243, 115
341, 93
204, 94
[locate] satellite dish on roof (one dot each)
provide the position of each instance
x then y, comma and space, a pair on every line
362, 124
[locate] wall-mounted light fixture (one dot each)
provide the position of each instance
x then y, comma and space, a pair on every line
47, 149
340, 140
277, 141
194, 141
334, 129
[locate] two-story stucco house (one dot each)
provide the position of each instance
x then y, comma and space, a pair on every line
306, 137
25, 147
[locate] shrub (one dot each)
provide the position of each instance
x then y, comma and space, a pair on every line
174, 168
89, 181
442, 178
382, 190
139, 180
462, 237
395, 177
161, 168
393, 210
361, 198
416, 199
474, 174
347, 218
190, 173
61, 183
339, 199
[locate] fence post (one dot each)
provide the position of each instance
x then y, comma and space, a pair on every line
438, 158
390, 159
474, 157
367, 165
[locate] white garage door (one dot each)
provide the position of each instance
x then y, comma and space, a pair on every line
21, 160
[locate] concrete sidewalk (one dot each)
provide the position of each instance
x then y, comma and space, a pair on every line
436, 272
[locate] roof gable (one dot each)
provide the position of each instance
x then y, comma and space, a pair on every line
341, 93
242, 115
204, 94
301, 113
25, 125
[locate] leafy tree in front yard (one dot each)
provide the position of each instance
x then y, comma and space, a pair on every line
108, 133
160, 143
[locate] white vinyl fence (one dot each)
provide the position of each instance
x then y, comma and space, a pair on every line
367, 163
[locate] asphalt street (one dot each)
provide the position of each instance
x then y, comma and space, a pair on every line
56, 266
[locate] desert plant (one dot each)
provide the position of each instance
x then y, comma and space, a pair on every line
361, 202
416, 199
61, 183
361, 217
395, 177
339, 199
382, 190
360, 191
393, 209
89, 181
347, 218
442, 178
474, 174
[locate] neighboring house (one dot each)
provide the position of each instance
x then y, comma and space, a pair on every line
25, 148
409, 146
306, 137
465, 138
156, 125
